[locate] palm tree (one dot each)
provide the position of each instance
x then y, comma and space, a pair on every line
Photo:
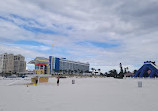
134, 71
72, 71
63, 71
86, 71
60, 71
66, 71
95, 71
75, 71
92, 70
126, 69
82, 71
99, 71
78, 70
69, 71
113, 73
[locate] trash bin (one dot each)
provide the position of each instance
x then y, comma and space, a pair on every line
73, 81
139, 83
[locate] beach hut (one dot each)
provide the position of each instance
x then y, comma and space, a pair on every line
40, 79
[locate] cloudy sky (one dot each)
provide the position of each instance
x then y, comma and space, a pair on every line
101, 32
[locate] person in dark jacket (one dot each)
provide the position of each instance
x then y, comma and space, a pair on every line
58, 81
36, 80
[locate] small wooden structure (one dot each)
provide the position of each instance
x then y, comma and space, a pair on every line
42, 79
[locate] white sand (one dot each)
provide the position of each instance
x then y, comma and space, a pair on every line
87, 94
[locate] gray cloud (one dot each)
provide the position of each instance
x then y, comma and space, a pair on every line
132, 24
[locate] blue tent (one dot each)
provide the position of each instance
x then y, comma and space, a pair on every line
143, 71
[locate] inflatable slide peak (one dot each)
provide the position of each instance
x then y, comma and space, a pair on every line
149, 69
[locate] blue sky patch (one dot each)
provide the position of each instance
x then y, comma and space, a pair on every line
60, 51
6, 19
38, 30
69, 28
25, 42
29, 20
30, 26
104, 45
99, 44
56, 25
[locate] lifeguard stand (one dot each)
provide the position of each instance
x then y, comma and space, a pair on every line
40, 68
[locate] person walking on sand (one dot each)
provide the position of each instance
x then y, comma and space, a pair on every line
58, 81
36, 80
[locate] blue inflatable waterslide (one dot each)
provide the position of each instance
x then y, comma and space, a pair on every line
144, 70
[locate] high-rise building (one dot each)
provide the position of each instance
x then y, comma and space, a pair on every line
68, 65
10, 63
19, 63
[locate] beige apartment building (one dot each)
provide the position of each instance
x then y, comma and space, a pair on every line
10, 63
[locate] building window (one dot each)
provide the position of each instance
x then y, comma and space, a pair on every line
41, 67
36, 67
